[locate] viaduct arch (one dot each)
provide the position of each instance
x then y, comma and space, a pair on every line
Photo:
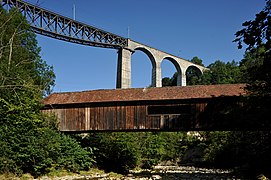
156, 57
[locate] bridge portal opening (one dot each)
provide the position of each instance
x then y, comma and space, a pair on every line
193, 75
171, 72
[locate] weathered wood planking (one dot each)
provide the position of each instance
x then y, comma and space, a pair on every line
129, 116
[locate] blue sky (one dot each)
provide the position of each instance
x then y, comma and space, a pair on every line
183, 28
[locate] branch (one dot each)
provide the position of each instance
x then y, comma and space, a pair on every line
31, 87
11, 46
10, 49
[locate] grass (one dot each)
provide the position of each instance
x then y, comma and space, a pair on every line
61, 173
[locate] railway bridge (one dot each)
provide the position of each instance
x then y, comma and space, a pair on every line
56, 26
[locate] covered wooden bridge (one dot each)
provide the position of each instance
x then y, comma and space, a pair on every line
145, 109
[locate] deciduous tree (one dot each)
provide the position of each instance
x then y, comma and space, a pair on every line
29, 141
256, 36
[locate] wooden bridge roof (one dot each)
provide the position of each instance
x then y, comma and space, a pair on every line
142, 94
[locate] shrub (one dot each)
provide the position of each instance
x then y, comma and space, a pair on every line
117, 152
38, 150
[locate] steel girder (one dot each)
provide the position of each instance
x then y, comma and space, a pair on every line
60, 27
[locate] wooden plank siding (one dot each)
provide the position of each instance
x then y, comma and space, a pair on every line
131, 116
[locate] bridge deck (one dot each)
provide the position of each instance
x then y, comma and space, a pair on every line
51, 24
148, 109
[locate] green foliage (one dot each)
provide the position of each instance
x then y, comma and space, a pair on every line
193, 75
256, 36
222, 73
170, 81
219, 73
72, 156
197, 61
38, 151
152, 149
253, 67
256, 66
29, 140
119, 152
174, 145
116, 152
217, 151
163, 146
166, 81
256, 33
248, 151
23, 70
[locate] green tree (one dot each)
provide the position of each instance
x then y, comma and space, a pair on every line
219, 73
166, 81
193, 75
22, 67
256, 36
222, 73
251, 65
197, 61
29, 140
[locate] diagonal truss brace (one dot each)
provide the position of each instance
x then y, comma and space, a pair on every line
60, 27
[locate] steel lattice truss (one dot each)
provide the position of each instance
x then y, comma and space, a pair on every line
60, 27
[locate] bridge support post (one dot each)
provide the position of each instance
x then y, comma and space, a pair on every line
181, 81
156, 76
124, 68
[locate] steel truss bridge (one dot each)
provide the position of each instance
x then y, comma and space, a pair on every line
60, 27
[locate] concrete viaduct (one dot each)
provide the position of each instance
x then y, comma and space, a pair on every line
156, 57
56, 26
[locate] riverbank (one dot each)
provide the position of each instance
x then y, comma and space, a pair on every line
158, 172
183, 172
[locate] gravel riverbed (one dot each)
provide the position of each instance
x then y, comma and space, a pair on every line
158, 172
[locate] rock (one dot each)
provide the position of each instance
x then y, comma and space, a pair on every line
193, 156
156, 177
130, 175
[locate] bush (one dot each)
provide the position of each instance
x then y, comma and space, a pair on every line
40, 151
120, 152
246, 151
117, 152
152, 149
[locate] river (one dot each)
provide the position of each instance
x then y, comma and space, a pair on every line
159, 172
